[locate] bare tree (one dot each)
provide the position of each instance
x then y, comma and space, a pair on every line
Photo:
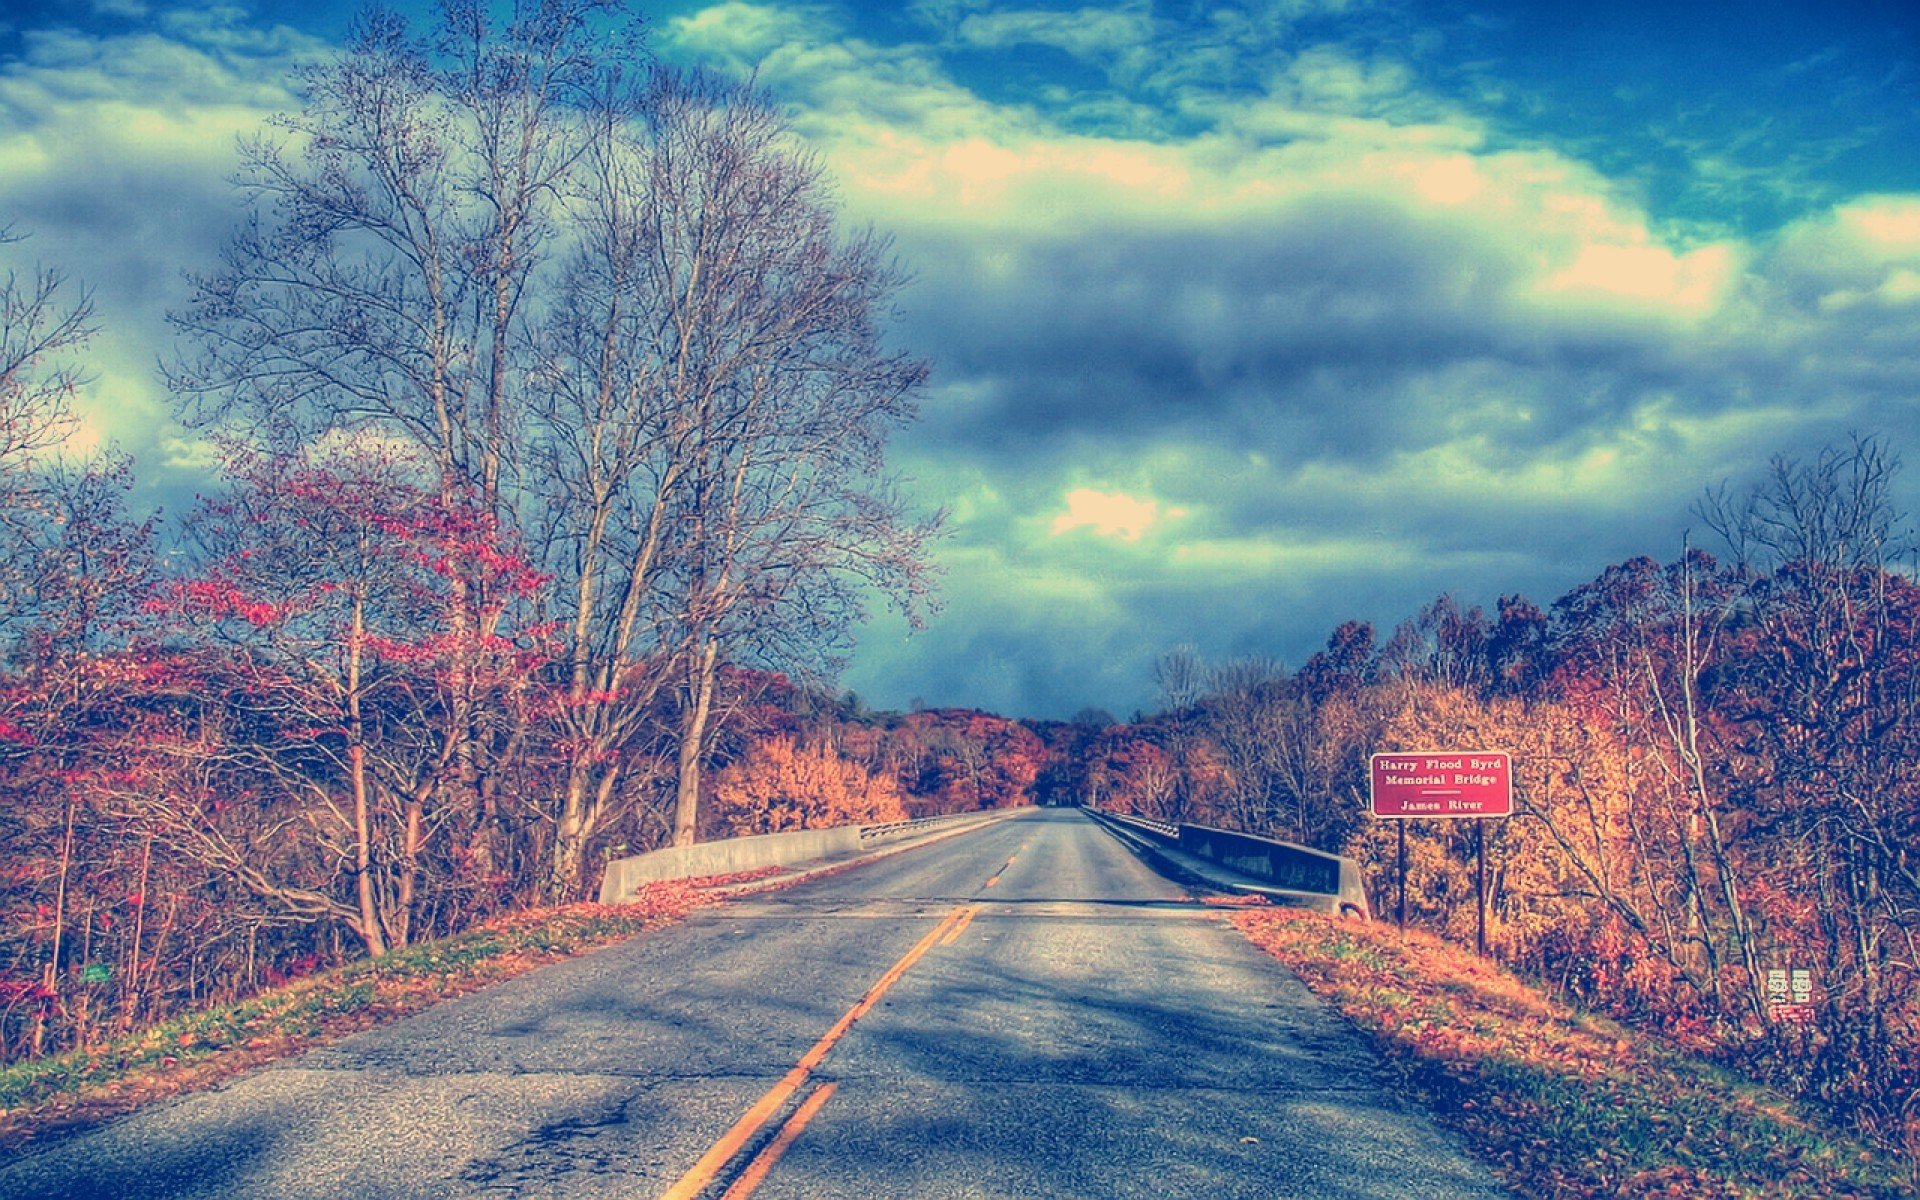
400, 224
1831, 706
715, 410
616, 312
1180, 674
403, 228
40, 328
1246, 711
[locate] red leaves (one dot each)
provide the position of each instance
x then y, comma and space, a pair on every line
19, 991
396, 650
341, 553
216, 596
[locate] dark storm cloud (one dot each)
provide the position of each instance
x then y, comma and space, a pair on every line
1338, 329
1352, 409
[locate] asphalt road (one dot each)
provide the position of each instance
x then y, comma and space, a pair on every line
1020, 1011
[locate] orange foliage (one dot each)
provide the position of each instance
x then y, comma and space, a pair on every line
781, 784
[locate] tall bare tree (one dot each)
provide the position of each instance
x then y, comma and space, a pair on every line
41, 326
1828, 700
400, 225
616, 310
404, 227
715, 413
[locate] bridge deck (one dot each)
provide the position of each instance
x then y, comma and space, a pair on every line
1057, 1021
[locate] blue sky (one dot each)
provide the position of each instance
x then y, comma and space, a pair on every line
1246, 318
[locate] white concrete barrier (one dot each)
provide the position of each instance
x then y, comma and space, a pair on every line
724, 857
625, 875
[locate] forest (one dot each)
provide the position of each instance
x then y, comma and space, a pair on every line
550, 402
1715, 768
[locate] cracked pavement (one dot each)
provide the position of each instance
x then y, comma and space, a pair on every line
1066, 1024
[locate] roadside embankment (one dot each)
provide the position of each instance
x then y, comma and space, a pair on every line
199, 1049
1562, 1104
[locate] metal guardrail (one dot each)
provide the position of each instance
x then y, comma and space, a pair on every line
1329, 882
1165, 830
1283, 864
888, 829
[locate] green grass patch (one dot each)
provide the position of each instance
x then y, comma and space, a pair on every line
1564, 1105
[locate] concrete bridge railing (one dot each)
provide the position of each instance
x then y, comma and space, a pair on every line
625, 876
1330, 883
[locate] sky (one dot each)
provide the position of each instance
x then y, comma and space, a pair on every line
1245, 319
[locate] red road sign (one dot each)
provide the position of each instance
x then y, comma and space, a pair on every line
1442, 784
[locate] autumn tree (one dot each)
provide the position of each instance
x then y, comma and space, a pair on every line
73, 730
73, 567
1823, 685
404, 228
782, 784
1637, 647
1443, 645
714, 412
1180, 675
614, 308
335, 580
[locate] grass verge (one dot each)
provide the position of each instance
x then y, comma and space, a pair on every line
1562, 1104
82, 1087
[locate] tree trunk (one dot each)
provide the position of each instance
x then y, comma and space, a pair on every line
369, 924
693, 737
570, 838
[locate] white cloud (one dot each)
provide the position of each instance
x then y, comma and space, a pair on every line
115, 160
1891, 223
1691, 284
1087, 33
742, 33
1111, 514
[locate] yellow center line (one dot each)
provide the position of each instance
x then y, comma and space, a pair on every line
764, 1161
960, 926
1001, 871
721, 1152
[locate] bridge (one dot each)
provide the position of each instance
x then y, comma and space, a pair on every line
1021, 1009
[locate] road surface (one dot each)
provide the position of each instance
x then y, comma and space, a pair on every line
1024, 1010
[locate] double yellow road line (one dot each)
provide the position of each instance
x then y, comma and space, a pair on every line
715, 1161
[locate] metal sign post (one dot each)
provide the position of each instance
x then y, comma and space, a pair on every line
1402, 827
1443, 785
1480, 889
